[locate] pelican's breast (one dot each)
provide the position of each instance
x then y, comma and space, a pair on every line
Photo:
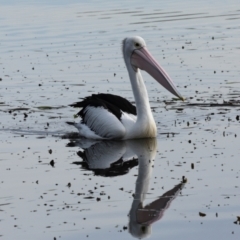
143, 129
149, 129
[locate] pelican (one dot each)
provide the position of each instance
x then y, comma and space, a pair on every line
107, 116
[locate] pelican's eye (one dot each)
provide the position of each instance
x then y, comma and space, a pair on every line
137, 45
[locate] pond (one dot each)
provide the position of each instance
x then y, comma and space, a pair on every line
56, 185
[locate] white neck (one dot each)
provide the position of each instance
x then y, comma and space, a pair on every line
140, 94
145, 125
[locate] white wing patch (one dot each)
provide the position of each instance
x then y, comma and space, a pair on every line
103, 123
128, 120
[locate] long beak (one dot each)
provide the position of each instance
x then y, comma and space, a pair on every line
142, 58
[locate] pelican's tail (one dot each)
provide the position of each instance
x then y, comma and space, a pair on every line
84, 130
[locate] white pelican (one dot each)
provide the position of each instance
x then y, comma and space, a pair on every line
107, 116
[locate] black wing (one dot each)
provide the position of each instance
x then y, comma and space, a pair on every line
113, 103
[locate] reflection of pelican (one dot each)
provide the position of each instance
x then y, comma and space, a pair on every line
107, 116
112, 158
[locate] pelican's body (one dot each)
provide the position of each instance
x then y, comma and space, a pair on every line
107, 116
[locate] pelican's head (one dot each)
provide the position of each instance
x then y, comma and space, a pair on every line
131, 44
137, 57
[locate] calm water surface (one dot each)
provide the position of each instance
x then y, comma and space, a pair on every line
56, 186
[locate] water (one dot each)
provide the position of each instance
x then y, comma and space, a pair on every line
53, 54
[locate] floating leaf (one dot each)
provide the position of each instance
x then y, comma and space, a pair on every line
232, 82
49, 107
202, 214
177, 99
19, 109
44, 107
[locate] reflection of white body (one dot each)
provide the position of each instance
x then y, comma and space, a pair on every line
106, 116
104, 154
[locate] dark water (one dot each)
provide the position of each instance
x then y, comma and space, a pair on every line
52, 54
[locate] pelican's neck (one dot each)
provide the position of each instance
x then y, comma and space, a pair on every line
140, 95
